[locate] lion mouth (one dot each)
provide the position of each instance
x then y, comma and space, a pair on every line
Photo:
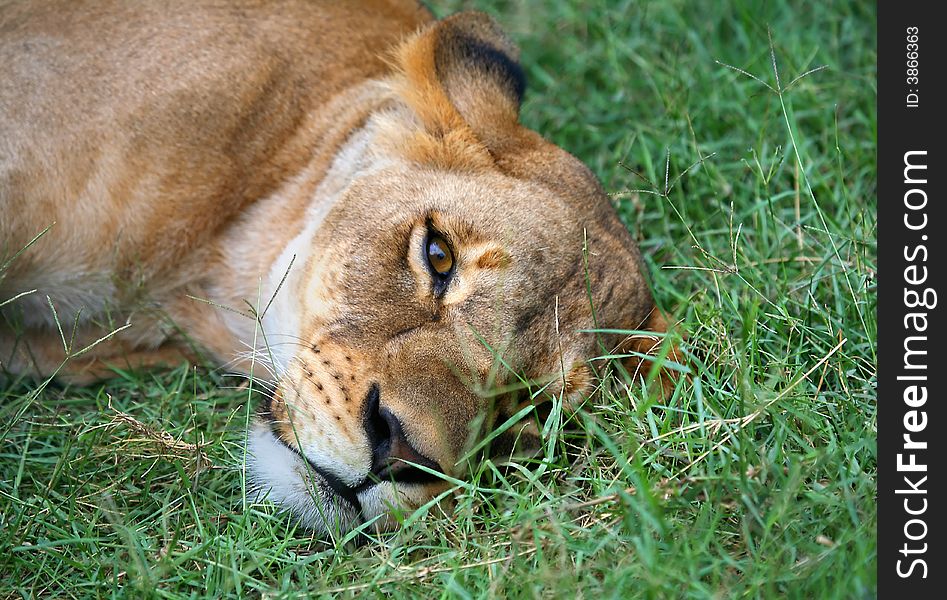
390, 472
279, 473
316, 494
316, 497
341, 491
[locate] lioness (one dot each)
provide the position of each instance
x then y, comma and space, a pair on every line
351, 180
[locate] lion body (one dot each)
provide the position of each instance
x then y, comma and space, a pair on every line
145, 137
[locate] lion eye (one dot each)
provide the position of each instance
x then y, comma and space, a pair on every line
439, 255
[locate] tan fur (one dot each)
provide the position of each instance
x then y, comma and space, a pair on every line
301, 152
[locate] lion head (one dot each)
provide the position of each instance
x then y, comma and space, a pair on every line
461, 256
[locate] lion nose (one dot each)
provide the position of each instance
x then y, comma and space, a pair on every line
392, 454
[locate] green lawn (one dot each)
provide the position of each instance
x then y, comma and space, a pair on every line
753, 198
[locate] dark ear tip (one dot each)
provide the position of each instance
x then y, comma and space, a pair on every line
475, 41
482, 26
477, 54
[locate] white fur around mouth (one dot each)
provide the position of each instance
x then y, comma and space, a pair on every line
278, 474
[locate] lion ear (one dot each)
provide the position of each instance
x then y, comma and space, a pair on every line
478, 67
461, 78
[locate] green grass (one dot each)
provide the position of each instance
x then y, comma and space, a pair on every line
756, 479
